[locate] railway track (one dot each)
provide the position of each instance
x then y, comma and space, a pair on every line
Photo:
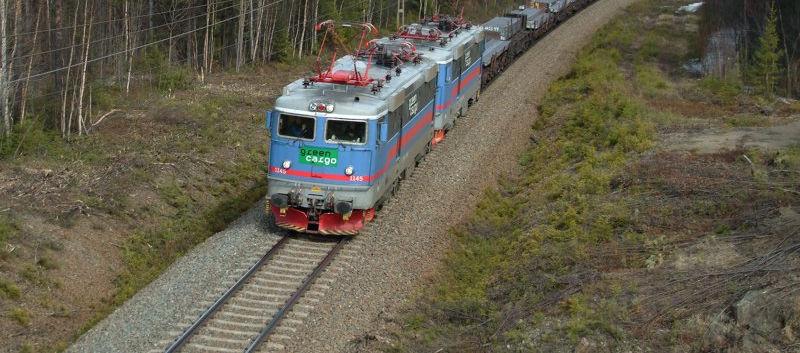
249, 314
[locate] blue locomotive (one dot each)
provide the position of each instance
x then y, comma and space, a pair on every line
342, 140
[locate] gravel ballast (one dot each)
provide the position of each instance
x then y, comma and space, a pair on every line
390, 260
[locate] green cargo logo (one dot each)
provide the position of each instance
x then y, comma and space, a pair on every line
319, 156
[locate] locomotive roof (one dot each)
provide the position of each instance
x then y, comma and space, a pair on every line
550, 1
453, 49
296, 98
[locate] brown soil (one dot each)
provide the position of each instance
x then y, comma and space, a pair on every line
768, 138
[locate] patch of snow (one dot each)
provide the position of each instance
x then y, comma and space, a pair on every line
691, 8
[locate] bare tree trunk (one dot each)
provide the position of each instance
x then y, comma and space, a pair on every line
66, 124
240, 36
272, 35
128, 46
150, 12
4, 70
24, 98
206, 39
252, 26
12, 91
256, 40
71, 110
316, 20
303, 29
211, 40
289, 28
57, 40
87, 34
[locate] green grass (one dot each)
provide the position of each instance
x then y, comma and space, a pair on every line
650, 80
147, 253
789, 159
8, 231
746, 120
20, 316
9, 290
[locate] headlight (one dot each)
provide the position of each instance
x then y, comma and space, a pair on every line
312, 107
349, 170
287, 164
329, 108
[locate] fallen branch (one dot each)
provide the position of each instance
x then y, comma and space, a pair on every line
167, 164
100, 120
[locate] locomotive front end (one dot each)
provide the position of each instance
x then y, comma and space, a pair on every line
320, 163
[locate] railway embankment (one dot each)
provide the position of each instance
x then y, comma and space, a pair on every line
87, 222
650, 211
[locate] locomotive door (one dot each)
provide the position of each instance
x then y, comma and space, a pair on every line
396, 131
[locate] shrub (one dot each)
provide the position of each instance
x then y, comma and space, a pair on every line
721, 90
7, 229
9, 289
31, 138
650, 80
166, 76
20, 315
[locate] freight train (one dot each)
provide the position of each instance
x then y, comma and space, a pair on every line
343, 139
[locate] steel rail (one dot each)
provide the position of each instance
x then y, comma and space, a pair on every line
189, 332
280, 314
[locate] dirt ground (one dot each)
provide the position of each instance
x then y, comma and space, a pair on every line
767, 138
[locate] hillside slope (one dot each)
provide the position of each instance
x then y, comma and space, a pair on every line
651, 212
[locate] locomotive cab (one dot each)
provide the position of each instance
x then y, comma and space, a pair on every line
320, 166
337, 151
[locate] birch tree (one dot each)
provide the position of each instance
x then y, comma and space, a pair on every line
4, 71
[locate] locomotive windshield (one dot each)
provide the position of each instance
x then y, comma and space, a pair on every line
294, 126
346, 131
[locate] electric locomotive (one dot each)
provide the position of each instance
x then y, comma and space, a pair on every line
457, 47
342, 140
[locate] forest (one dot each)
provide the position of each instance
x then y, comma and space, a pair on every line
749, 21
63, 60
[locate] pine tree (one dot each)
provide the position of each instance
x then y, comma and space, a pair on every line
281, 46
766, 67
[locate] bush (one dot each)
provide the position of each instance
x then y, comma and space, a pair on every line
7, 229
20, 315
166, 77
721, 90
8, 289
650, 80
31, 138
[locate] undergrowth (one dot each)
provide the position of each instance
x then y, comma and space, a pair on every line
149, 252
515, 256
570, 254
